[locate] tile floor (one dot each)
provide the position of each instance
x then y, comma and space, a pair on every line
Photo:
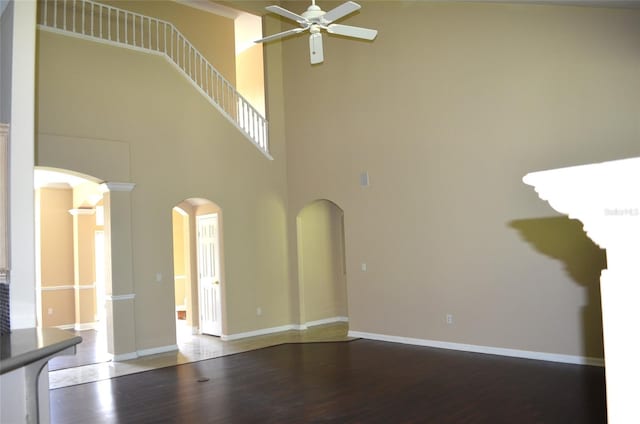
193, 348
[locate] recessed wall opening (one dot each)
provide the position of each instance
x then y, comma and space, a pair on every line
322, 274
198, 268
70, 260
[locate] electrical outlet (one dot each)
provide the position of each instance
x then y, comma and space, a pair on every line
50, 311
258, 311
449, 318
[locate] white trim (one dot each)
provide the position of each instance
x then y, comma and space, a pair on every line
82, 211
56, 288
81, 326
115, 186
516, 353
142, 352
68, 287
123, 356
66, 327
179, 277
116, 297
262, 332
78, 326
157, 350
326, 321
298, 327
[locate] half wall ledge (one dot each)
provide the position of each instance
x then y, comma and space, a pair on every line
605, 197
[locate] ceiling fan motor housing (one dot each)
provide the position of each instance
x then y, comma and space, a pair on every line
313, 13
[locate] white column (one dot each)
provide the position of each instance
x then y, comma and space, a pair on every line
605, 197
119, 285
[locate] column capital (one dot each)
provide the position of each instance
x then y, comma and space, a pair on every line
116, 186
604, 196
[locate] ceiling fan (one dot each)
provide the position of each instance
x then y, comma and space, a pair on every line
315, 19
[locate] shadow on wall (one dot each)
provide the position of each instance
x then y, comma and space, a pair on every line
563, 239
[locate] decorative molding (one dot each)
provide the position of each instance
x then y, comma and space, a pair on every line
82, 211
68, 287
115, 186
515, 353
57, 288
117, 297
603, 196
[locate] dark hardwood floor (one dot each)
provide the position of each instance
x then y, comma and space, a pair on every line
92, 350
362, 381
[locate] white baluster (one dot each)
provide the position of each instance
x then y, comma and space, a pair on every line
84, 30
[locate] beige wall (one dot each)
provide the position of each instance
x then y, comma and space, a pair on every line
321, 261
447, 109
180, 224
67, 271
56, 256
211, 35
250, 76
56, 237
175, 146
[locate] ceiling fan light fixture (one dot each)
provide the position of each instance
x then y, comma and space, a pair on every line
315, 19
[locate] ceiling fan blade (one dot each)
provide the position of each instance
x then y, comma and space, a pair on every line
280, 35
351, 31
287, 14
340, 11
315, 48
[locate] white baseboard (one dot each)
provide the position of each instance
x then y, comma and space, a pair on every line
124, 356
326, 321
516, 353
85, 326
66, 327
78, 326
157, 350
143, 352
299, 327
261, 332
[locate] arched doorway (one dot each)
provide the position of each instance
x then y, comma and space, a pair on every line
321, 263
70, 260
198, 268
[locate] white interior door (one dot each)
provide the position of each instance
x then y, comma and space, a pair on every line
209, 275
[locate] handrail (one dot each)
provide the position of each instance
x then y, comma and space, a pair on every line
109, 24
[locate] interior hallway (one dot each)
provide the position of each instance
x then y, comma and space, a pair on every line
192, 348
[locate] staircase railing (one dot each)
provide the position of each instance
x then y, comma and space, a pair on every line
112, 25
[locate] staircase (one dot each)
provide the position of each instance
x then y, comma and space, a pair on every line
94, 21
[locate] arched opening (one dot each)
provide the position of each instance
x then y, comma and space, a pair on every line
198, 268
70, 260
322, 275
